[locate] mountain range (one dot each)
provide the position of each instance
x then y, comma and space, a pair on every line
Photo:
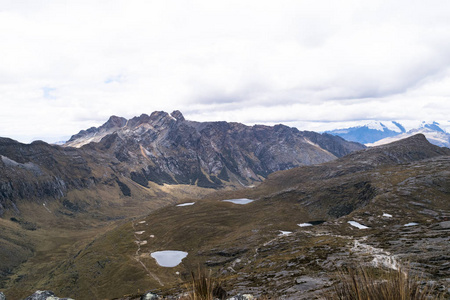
378, 133
85, 218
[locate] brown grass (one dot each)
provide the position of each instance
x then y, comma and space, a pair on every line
205, 287
362, 283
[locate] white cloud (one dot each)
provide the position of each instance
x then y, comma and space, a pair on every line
67, 66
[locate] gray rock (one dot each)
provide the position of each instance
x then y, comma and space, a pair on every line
2, 296
41, 295
45, 295
242, 297
150, 296
445, 225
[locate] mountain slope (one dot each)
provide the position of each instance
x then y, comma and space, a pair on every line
383, 187
54, 199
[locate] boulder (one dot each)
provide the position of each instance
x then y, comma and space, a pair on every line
150, 296
44, 295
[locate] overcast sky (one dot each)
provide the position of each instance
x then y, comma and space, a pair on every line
315, 65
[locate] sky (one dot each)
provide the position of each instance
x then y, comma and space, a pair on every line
311, 64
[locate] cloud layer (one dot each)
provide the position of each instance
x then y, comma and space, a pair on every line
316, 65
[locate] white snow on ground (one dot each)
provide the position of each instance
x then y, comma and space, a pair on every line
186, 204
285, 233
239, 201
141, 222
411, 224
169, 258
357, 225
140, 232
305, 224
141, 242
387, 215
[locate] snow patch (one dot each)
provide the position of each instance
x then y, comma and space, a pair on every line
241, 201
140, 232
387, 215
141, 222
186, 204
357, 225
169, 258
305, 224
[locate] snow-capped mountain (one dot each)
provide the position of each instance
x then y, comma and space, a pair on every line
371, 132
434, 134
380, 133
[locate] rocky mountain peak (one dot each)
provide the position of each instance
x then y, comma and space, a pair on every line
114, 121
177, 115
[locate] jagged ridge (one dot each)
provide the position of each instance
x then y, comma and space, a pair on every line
167, 148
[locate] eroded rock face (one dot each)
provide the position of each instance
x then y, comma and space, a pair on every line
40, 171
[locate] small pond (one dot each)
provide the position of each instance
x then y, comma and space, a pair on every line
357, 225
169, 258
241, 201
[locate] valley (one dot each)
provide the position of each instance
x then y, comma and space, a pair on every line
85, 221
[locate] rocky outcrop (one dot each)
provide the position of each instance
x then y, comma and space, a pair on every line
95, 134
45, 295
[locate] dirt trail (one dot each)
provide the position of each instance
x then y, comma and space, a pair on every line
137, 256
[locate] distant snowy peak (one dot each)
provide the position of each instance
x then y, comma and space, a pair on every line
377, 133
370, 132
432, 132
435, 126
386, 126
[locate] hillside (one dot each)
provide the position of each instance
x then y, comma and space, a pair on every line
399, 192
55, 200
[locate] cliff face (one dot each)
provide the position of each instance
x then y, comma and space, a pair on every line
167, 148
